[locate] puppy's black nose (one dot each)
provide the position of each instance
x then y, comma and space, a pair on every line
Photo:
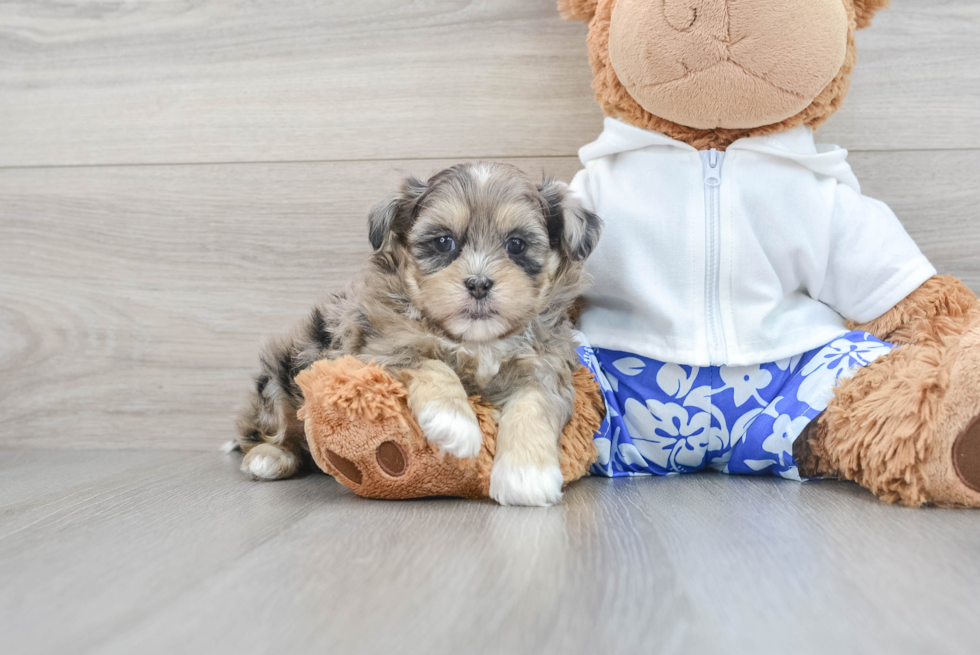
479, 286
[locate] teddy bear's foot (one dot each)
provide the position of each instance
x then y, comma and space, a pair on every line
361, 431
951, 472
907, 426
966, 456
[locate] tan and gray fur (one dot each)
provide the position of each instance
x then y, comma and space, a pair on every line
468, 291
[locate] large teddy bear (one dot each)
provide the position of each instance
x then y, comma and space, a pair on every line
748, 297
753, 312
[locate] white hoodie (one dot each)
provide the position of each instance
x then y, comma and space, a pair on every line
736, 258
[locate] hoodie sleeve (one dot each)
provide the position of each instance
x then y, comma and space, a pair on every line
873, 263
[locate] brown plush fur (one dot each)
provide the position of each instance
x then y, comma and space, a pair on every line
577, 9
891, 428
616, 101
864, 11
937, 310
352, 408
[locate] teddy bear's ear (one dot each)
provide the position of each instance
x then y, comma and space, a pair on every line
865, 10
582, 10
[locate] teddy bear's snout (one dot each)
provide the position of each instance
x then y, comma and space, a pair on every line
711, 64
682, 15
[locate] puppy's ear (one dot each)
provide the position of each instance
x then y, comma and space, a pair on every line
395, 213
865, 10
571, 227
582, 10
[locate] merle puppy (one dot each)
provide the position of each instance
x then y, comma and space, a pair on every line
468, 292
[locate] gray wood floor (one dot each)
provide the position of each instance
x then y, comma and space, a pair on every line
180, 179
173, 552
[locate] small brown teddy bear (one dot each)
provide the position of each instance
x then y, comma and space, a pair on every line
361, 431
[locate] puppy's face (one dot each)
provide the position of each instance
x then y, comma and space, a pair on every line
479, 247
480, 254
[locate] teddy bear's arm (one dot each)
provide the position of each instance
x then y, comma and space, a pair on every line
942, 306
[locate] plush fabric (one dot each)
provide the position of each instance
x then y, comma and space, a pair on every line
937, 310
737, 65
864, 11
360, 430
577, 9
892, 427
615, 99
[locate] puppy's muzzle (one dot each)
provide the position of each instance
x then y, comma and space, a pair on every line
478, 286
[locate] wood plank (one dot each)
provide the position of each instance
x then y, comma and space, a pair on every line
212, 81
133, 300
287, 81
917, 81
91, 543
937, 197
155, 552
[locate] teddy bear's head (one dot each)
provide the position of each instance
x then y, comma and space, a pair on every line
709, 72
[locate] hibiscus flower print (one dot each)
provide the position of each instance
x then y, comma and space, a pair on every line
836, 361
746, 382
667, 418
676, 381
785, 430
665, 434
788, 364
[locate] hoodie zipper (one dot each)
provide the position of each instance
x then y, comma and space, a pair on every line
717, 348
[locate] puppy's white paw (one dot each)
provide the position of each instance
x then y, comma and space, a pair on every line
525, 485
453, 430
266, 462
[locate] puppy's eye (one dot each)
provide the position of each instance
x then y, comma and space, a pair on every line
445, 244
516, 246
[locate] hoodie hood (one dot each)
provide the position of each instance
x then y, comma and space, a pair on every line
794, 145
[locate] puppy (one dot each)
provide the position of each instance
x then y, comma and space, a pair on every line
468, 291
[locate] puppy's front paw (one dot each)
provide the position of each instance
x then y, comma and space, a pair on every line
452, 427
268, 462
525, 485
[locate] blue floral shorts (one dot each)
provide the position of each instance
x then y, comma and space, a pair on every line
663, 419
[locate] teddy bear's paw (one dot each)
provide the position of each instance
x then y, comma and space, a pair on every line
269, 462
966, 455
950, 473
525, 485
963, 409
452, 427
